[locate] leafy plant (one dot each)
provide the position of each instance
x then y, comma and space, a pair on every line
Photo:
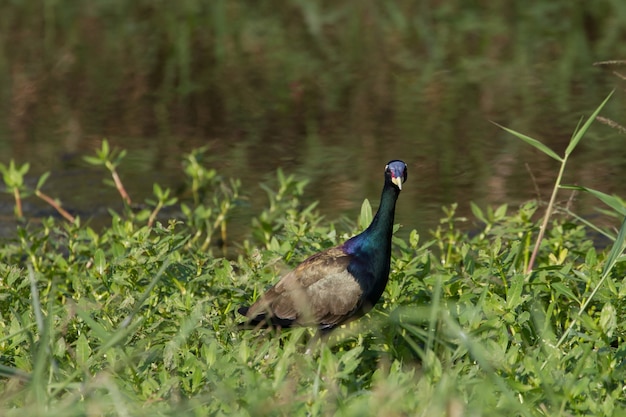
13, 177
110, 159
619, 244
213, 201
576, 137
139, 318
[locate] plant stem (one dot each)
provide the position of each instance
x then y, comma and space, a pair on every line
56, 206
18, 203
120, 186
154, 214
546, 218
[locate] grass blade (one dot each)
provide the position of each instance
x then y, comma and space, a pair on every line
534, 142
41, 348
11, 372
612, 201
616, 250
590, 225
34, 292
581, 132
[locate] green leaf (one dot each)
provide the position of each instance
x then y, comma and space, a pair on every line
366, 214
612, 201
591, 258
105, 148
119, 157
616, 251
414, 238
580, 133
92, 160
24, 169
478, 213
83, 351
564, 290
501, 212
534, 142
98, 330
514, 292
350, 361
158, 192
281, 177
99, 261
42, 179
608, 319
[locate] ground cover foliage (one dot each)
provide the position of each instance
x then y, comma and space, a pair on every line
139, 318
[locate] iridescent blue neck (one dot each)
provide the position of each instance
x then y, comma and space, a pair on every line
378, 234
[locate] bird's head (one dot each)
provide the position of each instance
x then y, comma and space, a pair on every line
396, 173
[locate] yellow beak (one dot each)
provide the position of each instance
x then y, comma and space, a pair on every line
397, 181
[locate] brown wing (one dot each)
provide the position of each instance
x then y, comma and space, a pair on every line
320, 291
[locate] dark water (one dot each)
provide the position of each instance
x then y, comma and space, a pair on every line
458, 157
435, 115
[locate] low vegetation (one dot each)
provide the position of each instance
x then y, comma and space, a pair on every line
139, 318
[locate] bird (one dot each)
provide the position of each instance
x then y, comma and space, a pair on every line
339, 284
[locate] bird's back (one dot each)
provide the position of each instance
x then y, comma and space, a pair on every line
320, 291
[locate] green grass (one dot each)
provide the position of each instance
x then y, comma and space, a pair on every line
139, 318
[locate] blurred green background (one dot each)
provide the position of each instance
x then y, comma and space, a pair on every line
330, 90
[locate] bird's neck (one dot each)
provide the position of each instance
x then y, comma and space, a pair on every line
372, 249
377, 237
381, 228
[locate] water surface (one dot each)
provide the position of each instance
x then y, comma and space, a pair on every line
331, 104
